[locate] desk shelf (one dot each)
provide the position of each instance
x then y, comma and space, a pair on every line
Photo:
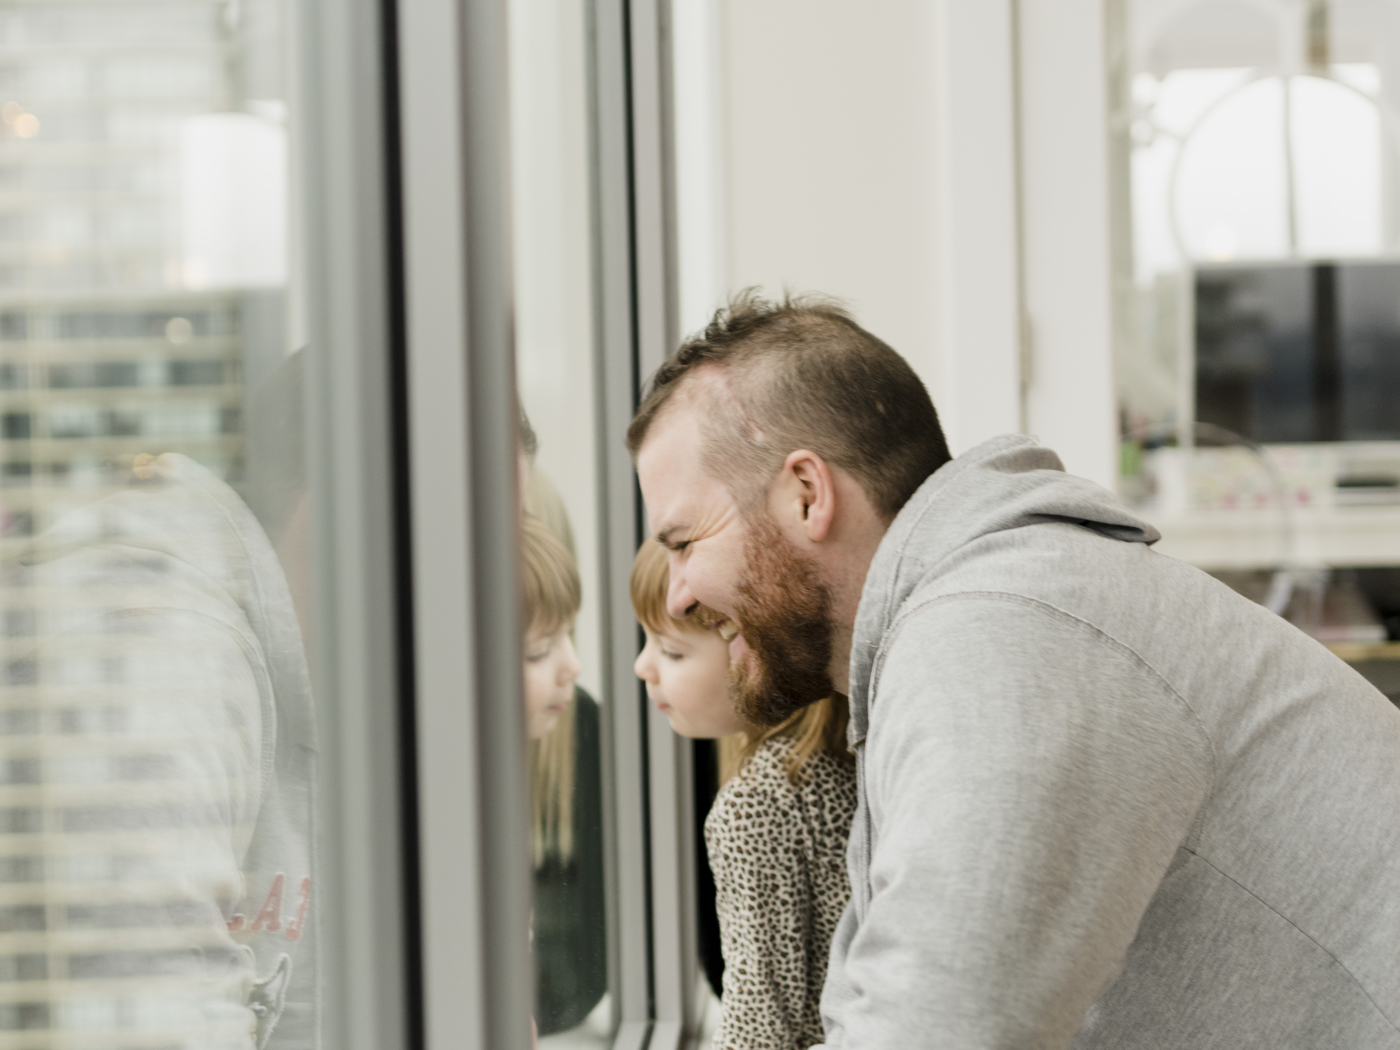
1366, 652
1339, 538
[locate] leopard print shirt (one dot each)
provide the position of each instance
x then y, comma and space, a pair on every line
778, 853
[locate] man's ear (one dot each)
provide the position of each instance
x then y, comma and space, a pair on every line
810, 492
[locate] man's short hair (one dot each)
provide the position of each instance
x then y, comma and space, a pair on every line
801, 374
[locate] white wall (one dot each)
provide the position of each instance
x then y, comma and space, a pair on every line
881, 153
829, 115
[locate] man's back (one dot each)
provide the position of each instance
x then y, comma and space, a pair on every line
1106, 802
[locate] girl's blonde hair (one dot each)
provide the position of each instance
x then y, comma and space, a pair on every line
817, 727
553, 595
544, 504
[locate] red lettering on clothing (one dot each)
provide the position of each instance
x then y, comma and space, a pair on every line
295, 926
270, 917
270, 914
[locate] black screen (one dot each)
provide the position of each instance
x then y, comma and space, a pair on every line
1297, 352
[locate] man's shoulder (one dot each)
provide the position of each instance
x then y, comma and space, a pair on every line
973, 625
1122, 595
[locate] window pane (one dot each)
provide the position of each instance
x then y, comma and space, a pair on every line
555, 354
157, 739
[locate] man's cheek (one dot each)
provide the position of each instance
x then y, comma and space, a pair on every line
711, 588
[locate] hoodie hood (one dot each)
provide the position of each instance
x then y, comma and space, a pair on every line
1010, 482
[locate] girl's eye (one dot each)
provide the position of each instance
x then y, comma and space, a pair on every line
535, 656
672, 656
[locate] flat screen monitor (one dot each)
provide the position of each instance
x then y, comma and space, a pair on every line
1299, 352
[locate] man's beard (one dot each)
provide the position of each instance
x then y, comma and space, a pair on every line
784, 613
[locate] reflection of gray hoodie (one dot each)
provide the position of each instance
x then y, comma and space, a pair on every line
160, 707
1104, 801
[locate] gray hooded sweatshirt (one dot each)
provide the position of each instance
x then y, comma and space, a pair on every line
1104, 800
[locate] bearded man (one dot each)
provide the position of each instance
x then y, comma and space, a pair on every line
1104, 800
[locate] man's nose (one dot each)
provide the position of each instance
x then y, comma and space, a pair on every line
679, 600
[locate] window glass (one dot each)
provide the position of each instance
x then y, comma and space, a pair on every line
157, 739
555, 331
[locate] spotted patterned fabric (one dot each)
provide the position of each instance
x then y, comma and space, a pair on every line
778, 853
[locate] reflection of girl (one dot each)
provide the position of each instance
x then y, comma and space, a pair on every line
777, 831
566, 791
551, 604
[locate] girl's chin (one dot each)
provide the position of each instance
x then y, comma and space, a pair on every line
678, 725
543, 724
681, 728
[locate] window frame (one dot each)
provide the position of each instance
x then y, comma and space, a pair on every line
472, 856
345, 183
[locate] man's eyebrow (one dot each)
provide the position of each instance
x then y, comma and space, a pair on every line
663, 536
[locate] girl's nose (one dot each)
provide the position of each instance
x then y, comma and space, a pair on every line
645, 667
570, 669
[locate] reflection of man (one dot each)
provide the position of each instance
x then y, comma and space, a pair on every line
1104, 801
173, 736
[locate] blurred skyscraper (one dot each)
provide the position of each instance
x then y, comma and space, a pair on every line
142, 237
143, 267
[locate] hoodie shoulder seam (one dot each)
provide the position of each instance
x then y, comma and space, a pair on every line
920, 605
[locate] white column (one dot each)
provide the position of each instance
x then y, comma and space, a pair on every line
1071, 403
697, 93
980, 321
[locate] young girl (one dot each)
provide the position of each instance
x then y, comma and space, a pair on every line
777, 831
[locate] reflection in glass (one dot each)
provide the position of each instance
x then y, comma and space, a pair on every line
159, 744
563, 729
157, 740
553, 246
565, 790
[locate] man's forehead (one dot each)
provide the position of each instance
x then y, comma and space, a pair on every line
675, 485
671, 448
